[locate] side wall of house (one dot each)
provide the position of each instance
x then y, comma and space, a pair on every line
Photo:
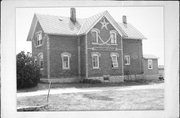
133, 48
82, 56
152, 71
41, 49
58, 45
104, 49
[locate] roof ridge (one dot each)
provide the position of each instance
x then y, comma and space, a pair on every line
100, 15
56, 16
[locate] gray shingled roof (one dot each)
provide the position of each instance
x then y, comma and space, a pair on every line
59, 25
64, 26
131, 32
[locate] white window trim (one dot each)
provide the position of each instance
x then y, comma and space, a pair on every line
150, 61
41, 59
65, 54
37, 40
113, 32
128, 59
97, 35
97, 55
116, 55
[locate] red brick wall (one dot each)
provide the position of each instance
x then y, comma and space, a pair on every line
58, 45
83, 59
41, 49
150, 71
133, 48
105, 58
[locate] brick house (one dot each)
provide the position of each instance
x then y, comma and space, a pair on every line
69, 49
150, 66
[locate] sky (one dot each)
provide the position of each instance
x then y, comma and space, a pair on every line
148, 20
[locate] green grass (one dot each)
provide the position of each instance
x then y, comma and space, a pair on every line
144, 99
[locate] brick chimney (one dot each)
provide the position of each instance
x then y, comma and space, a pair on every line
73, 15
124, 19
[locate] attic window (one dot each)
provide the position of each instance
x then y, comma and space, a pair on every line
95, 34
113, 37
38, 39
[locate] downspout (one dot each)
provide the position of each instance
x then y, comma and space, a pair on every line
48, 59
79, 58
122, 57
86, 56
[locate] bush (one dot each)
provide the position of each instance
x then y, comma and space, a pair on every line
90, 81
28, 72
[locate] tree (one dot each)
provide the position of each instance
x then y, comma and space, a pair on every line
28, 72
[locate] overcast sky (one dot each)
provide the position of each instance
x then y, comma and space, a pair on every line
148, 20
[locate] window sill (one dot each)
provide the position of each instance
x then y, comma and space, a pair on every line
38, 46
114, 44
95, 43
96, 68
127, 64
66, 68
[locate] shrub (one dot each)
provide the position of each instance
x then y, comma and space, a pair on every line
28, 72
90, 81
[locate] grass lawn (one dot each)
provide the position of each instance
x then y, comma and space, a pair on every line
143, 99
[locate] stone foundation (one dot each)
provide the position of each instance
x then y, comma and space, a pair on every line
151, 77
141, 76
111, 79
62, 80
134, 77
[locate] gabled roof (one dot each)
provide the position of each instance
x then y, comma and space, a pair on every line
148, 56
131, 32
58, 25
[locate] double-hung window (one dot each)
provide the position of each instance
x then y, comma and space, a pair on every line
113, 37
95, 35
65, 60
150, 64
39, 39
127, 60
114, 57
41, 62
95, 60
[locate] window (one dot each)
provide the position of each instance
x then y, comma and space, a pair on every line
150, 64
113, 37
35, 60
38, 38
95, 60
114, 57
127, 60
65, 60
41, 62
95, 35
